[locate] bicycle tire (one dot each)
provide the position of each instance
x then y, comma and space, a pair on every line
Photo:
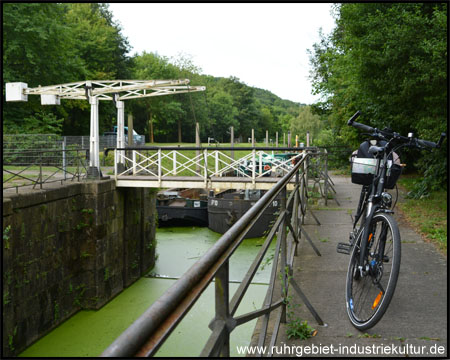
366, 302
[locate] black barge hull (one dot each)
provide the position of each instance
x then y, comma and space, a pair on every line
173, 216
182, 207
224, 212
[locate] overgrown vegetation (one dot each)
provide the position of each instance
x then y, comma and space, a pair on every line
295, 327
388, 60
427, 214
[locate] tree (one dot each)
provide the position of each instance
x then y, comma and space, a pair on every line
390, 61
98, 41
163, 114
222, 115
244, 102
305, 122
54, 43
38, 50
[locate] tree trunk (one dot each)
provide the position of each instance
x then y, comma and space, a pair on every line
179, 130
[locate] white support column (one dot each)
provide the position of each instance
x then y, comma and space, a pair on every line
217, 162
159, 166
94, 147
205, 166
121, 130
260, 163
174, 163
254, 166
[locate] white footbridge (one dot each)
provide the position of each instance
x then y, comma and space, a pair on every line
216, 167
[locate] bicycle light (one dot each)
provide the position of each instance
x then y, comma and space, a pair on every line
386, 198
410, 135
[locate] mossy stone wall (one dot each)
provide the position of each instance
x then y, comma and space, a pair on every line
70, 248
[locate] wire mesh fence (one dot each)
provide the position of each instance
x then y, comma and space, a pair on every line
105, 141
37, 159
19, 142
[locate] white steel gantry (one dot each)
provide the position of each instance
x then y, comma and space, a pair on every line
96, 90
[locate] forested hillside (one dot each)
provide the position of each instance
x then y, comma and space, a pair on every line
388, 60
49, 43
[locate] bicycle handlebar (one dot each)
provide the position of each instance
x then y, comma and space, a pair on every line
353, 118
351, 122
381, 133
426, 143
431, 144
364, 127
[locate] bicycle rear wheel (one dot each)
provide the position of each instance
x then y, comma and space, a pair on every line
368, 293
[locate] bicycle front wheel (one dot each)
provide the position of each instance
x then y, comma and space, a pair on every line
370, 288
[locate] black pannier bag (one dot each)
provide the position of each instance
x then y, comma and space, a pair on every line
364, 165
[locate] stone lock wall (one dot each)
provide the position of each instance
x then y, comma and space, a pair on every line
70, 248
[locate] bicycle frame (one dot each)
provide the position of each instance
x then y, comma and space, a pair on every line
377, 259
374, 204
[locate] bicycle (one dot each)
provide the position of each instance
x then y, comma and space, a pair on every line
374, 246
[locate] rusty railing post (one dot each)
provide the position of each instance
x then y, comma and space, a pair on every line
282, 234
222, 305
295, 208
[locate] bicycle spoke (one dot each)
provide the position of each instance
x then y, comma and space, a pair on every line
369, 294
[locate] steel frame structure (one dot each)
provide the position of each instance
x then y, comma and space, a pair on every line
111, 90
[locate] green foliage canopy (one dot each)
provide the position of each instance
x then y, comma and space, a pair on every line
388, 60
55, 43
50, 43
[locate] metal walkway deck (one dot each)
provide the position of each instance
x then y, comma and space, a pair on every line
197, 182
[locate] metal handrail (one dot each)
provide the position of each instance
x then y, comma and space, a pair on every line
226, 148
151, 329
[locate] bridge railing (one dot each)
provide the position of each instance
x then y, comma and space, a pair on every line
145, 336
204, 162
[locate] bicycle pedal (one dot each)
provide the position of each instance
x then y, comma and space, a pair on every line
344, 248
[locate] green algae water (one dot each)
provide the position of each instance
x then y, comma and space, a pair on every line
88, 333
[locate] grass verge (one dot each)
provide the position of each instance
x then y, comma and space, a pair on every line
428, 216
